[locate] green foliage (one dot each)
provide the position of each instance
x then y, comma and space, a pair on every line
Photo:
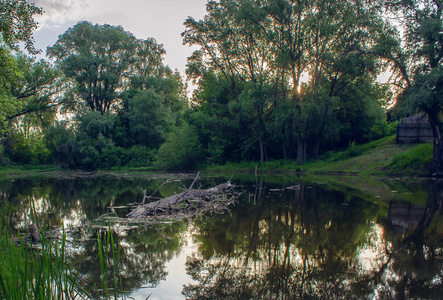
29, 100
251, 59
149, 118
41, 90
101, 59
3, 159
140, 156
127, 101
8, 103
96, 57
22, 149
60, 140
181, 151
93, 123
361, 116
218, 120
17, 23
382, 129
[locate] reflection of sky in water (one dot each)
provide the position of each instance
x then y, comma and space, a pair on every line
308, 242
372, 254
40, 206
370, 258
172, 287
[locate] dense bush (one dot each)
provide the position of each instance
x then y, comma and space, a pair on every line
181, 151
21, 149
60, 141
140, 156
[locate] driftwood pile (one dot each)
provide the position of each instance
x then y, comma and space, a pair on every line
187, 203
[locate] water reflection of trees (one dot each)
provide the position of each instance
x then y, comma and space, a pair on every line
275, 244
308, 244
73, 201
144, 253
76, 204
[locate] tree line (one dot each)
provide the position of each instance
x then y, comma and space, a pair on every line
276, 79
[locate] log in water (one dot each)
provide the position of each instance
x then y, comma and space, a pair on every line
189, 196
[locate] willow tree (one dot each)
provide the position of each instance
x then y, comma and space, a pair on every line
95, 57
104, 60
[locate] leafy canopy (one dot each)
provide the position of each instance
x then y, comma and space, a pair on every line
17, 23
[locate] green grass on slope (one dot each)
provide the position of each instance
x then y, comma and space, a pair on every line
380, 157
383, 157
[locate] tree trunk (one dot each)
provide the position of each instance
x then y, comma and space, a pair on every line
437, 161
260, 140
301, 150
260, 134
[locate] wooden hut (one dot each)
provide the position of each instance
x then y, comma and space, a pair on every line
415, 129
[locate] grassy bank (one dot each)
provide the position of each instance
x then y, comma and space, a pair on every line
382, 157
379, 158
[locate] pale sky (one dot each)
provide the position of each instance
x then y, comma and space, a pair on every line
160, 19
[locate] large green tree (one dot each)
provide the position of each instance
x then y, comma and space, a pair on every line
33, 98
40, 88
126, 99
16, 25
423, 71
104, 60
96, 58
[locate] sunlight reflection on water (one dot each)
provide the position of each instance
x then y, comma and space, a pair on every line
177, 277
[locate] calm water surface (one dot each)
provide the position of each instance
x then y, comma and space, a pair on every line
285, 238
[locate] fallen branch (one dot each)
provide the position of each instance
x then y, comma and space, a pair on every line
190, 199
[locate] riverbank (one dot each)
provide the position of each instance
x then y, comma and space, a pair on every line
382, 157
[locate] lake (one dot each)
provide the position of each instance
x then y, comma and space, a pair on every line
284, 237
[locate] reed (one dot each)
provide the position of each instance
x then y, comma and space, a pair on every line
109, 256
29, 271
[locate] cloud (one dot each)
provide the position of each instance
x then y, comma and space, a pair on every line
60, 11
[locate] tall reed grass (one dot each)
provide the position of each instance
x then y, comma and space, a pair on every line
109, 257
44, 271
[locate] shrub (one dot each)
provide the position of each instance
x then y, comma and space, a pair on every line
181, 151
22, 150
140, 156
60, 140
